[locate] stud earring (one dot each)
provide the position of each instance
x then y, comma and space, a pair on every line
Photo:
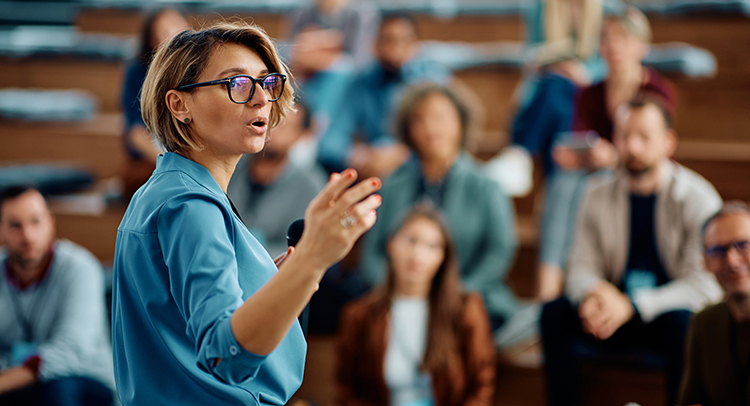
186, 120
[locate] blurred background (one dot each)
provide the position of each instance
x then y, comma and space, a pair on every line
63, 71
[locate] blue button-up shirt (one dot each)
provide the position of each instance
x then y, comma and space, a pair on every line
183, 263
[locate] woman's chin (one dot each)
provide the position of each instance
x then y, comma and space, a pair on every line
254, 145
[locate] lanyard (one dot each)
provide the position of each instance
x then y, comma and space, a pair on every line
20, 315
741, 373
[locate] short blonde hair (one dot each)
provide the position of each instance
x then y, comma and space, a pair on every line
635, 22
182, 60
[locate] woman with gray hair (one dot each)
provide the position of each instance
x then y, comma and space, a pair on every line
202, 315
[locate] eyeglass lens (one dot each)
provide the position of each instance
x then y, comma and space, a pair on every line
242, 88
720, 251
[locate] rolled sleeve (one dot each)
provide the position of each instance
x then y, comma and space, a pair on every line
203, 278
223, 357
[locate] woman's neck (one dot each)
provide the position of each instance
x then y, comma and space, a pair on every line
411, 290
220, 167
435, 169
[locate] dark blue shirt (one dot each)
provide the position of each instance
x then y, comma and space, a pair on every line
644, 267
131, 102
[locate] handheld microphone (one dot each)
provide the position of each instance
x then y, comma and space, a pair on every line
293, 234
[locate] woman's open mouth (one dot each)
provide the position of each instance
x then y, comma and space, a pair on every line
259, 125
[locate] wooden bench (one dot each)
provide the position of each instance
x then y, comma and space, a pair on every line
94, 144
103, 79
725, 164
96, 232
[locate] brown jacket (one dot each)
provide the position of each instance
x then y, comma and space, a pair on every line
361, 351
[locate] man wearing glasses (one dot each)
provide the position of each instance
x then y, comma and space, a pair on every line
717, 368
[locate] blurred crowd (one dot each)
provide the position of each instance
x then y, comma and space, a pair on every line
639, 258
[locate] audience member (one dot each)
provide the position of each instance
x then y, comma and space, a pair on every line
635, 271
433, 121
54, 345
718, 343
269, 190
624, 43
561, 39
331, 39
360, 132
417, 340
159, 27
354, 24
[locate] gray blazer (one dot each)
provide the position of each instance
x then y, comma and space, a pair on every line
479, 216
600, 246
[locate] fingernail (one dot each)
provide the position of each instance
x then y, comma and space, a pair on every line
349, 173
373, 213
377, 198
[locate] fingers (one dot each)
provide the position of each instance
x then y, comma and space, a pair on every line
337, 184
364, 213
588, 307
355, 194
281, 258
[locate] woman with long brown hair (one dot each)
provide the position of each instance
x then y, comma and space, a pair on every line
417, 340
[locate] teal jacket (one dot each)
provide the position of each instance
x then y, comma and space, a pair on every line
479, 216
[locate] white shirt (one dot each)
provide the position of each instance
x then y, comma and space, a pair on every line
405, 351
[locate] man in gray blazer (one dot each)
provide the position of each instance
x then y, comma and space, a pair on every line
635, 271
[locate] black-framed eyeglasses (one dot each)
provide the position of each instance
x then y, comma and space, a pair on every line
241, 88
719, 252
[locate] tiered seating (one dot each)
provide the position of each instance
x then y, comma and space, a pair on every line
96, 232
94, 144
713, 127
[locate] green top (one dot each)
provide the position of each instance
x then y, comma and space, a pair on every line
479, 216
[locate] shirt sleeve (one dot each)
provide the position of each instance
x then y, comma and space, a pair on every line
692, 391
131, 96
195, 238
585, 261
693, 286
79, 323
490, 268
479, 354
335, 144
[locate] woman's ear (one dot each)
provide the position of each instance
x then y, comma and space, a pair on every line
177, 105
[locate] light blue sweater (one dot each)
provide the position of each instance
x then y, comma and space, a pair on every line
66, 313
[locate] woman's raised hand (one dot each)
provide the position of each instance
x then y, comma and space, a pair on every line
337, 217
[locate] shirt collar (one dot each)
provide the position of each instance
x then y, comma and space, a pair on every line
171, 161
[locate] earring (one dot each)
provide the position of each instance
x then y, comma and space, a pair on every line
186, 120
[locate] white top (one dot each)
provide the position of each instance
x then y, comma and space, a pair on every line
406, 346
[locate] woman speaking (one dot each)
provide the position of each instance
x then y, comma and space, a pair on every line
201, 314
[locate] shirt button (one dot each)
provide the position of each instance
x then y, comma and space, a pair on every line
233, 350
